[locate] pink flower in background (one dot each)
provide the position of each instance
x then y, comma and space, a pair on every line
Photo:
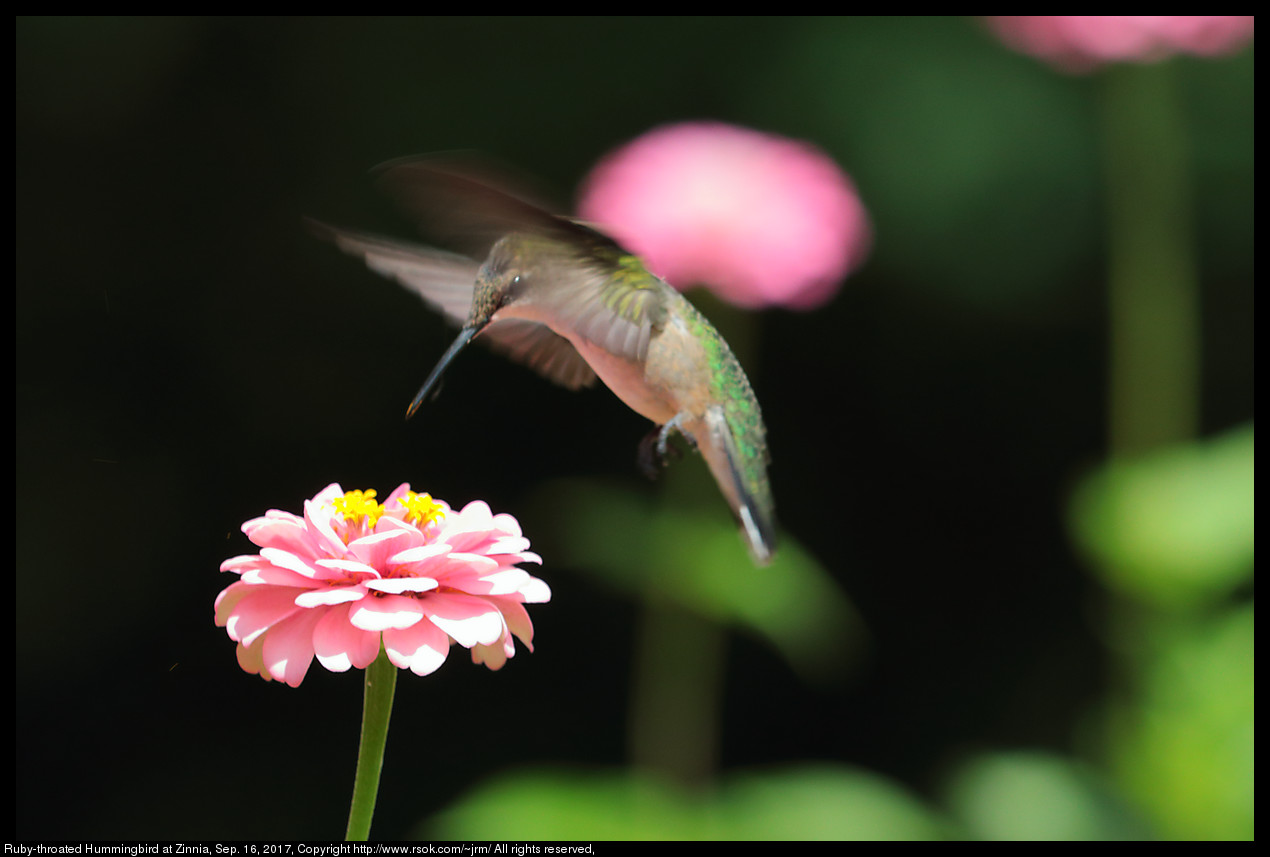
1082, 42
763, 220
352, 571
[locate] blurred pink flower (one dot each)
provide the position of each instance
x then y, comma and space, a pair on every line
1082, 42
762, 220
351, 571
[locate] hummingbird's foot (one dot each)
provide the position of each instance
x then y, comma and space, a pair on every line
655, 449
652, 453
675, 424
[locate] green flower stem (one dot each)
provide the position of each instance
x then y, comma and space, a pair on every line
676, 695
681, 656
1154, 295
381, 682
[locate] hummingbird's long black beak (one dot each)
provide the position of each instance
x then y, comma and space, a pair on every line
464, 337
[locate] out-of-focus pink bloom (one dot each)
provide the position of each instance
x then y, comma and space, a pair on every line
352, 571
1082, 42
762, 220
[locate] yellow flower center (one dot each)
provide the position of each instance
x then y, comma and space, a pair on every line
421, 509
358, 505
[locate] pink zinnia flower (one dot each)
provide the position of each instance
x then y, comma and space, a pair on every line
1082, 42
351, 572
763, 220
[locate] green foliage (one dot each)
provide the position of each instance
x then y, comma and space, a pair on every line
809, 802
1172, 532
1029, 796
689, 553
1174, 528
1182, 744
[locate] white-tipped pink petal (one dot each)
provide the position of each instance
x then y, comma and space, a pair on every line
352, 574
375, 549
259, 611
346, 568
535, 592
271, 575
517, 618
456, 566
399, 585
318, 518
398, 493
228, 599
339, 646
330, 596
416, 559
420, 648
291, 562
240, 564
381, 614
467, 619
507, 544
507, 524
493, 656
503, 582
251, 659
288, 534
288, 647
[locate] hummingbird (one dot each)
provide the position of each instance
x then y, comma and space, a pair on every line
570, 302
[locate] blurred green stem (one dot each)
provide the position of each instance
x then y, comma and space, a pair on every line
675, 706
1154, 302
381, 683
680, 656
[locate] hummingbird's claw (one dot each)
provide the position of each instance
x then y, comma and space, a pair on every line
655, 449
675, 424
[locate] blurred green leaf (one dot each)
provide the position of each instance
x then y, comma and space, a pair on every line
678, 551
1039, 797
570, 805
1184, 748
815, 802
822, 802
1172, 528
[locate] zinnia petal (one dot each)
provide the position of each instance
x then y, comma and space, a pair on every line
467, 619
398, 585
288, 647
353, 574
260, 609
420, 648
1080, 43
390, 611
339, 645
762, 220
285, 533
330, 596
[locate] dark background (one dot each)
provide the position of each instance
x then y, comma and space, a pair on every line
188, 356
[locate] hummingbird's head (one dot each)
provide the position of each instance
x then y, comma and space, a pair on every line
499, 282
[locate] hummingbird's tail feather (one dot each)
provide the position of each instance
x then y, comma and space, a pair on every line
750, 498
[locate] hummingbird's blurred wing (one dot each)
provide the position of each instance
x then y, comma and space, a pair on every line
542, 349
607, 296
602, 292
467, 202
446, 281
